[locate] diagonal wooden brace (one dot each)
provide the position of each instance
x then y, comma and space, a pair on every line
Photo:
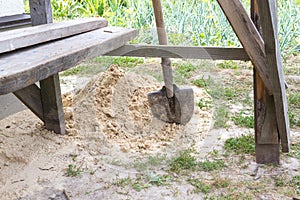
248, 36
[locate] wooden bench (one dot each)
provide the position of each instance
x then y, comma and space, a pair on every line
38, 54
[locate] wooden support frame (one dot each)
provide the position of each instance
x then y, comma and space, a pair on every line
259, 39
169, 51
258, 36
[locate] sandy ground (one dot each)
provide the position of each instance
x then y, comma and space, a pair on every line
109, 126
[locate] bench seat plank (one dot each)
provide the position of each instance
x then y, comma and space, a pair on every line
24, 67
24, 37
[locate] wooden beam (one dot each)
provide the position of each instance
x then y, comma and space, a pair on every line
52, 104
31, 97
13, 21
19, 38
188, 52
267, 145
268, 15
27, 66
248, 36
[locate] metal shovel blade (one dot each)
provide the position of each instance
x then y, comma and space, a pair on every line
178, 109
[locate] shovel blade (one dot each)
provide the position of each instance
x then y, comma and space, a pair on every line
178, 109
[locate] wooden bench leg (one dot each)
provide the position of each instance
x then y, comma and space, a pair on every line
53, 113
45, 102
267, 144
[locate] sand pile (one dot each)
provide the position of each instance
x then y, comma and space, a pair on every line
115, 107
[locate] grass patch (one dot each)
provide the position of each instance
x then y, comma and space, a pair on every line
243, 120
221, 183
295, 183
184, 69
73, 170
240, 145
204, 103
185, 161
127, 62
74, 71
295, 151
228, 64
208, 166
203, 82
199, 186
294, 100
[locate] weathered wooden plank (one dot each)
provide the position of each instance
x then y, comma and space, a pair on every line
24, 37
7, 22
266, 134
52, 104
248, 36
268, 14
31, 97
24, 67
195, 52
40, 12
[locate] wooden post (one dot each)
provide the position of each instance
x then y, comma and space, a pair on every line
269, 27
53, 115
266, 127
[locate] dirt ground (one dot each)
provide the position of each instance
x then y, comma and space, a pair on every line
111, 136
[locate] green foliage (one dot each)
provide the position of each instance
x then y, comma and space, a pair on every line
295, 183
294, 99
280, 181
74, 71
228, 64
295, 151
202, 82
184, 69
203, 103
73, 170
243, 144
208, 166
243, 120
221, 183
185, 161
158, 180
128, 62
182, 20
199, 186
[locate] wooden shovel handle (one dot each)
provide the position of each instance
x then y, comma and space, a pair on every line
163, 40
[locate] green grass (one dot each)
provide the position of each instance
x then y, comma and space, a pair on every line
295, 151
73, 170
199, 186
185, 161
184, 69
243, 120
203, 82
127, 62
228, 64
295, 183
208, 166
204, 103
244, 144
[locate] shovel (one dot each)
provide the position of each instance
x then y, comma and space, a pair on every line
170, 104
